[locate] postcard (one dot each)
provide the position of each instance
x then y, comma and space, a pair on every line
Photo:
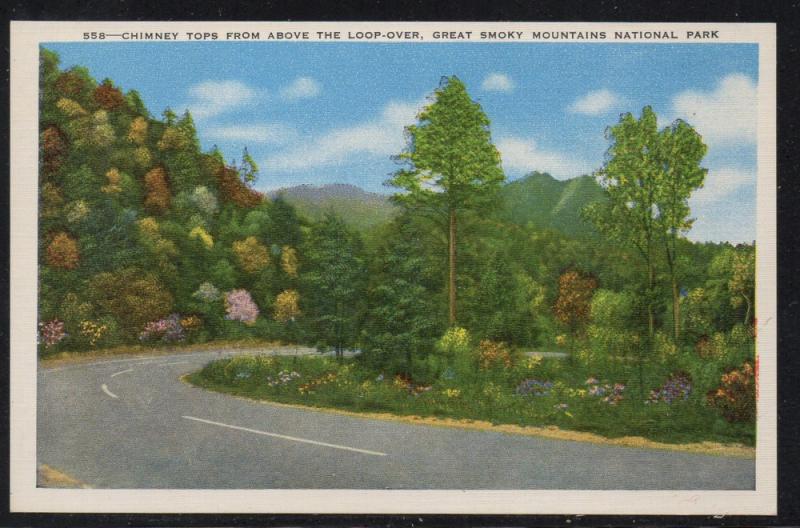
485, 268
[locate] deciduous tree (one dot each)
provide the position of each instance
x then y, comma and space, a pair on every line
679, 152
574, 302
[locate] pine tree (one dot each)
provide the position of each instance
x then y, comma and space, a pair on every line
452, 167
335, 284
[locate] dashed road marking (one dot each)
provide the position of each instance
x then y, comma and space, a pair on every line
286, 437
121, 372
105, 389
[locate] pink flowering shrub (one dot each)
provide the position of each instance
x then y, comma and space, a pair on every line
52, 332
168, 329
239, 306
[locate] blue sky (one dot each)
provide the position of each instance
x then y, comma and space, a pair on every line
324, 112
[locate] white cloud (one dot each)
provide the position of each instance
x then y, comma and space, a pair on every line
382, 136
595, 103
301, 88
211, 98
524, 155
725, 115
721, 183
273, 133
497, 82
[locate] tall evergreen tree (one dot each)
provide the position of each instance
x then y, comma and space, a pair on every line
335, 284
451, 167
401, 323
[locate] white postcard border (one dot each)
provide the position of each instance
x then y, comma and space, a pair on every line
26, 497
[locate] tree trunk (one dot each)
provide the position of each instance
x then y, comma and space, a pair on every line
650, 329
676, 309
747, 313
452, 278
650, 316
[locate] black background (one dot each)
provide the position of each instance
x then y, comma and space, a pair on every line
783, 13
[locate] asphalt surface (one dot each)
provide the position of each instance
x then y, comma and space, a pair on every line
131, 423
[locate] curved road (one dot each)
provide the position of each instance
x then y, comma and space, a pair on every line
131, 423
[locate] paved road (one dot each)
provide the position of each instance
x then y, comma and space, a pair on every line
133, 424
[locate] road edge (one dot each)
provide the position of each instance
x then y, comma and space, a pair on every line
551, 432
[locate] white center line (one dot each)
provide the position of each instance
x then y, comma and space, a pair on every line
285, 437
105, 389
173, 363
121, 372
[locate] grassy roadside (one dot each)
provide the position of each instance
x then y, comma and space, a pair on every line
72, 357
281, 382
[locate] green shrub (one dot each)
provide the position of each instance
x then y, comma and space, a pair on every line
741, 335
664, 347
608, 345
697, 313
613, 309
454, 342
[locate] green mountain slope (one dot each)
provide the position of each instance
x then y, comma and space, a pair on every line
542, 201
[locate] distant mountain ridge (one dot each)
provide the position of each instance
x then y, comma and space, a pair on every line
359, 208
537, 199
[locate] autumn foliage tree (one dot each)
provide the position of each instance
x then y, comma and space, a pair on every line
157, 199
62, 252
137, 133
251, 254
107, 96
54, 149
132, 297
289, 261
233, 190
71, 84
287, 306
574, 303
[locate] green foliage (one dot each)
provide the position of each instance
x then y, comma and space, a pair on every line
611, 335
132, 297
568, 399
451, 166
614, 310
541, 202
452, 162
697, 313
401, 318
248, 170
335, 284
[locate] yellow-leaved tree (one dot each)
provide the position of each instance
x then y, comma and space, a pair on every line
251, 254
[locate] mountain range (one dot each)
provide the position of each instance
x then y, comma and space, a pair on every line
537, 200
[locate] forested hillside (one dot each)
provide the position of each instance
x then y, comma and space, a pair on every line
143, 237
